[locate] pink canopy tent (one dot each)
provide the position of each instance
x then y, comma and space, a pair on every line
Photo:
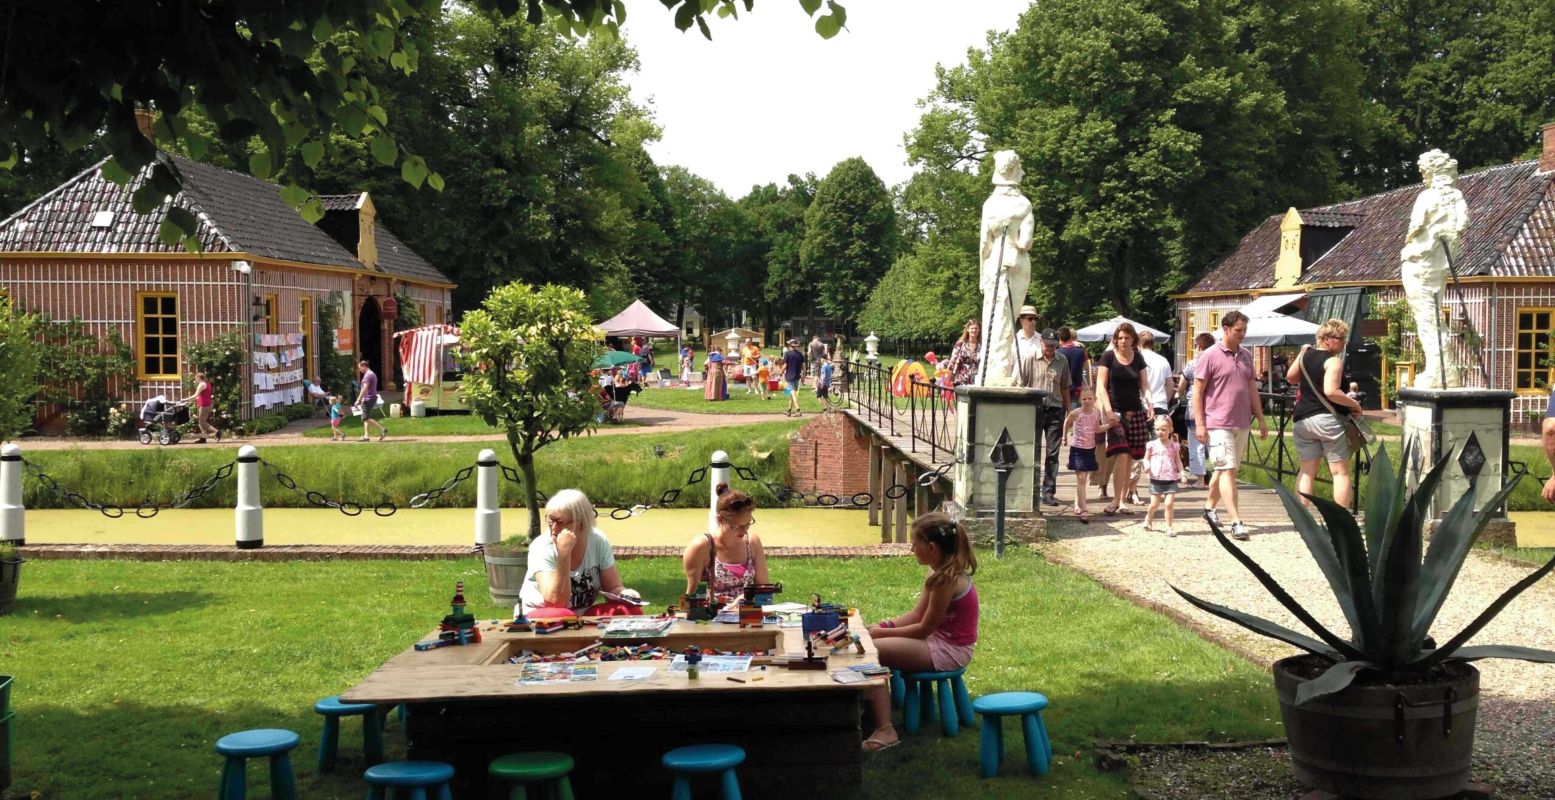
639, 320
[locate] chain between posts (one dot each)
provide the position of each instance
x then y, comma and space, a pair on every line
670, 495
348, 508
145, 510
511, 476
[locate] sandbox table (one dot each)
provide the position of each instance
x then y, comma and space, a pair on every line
801, 729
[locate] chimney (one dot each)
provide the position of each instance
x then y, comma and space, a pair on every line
145, 118
1547, 153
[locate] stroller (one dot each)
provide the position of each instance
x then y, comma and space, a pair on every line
160, 420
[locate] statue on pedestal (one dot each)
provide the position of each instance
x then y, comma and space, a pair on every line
1439, 218
1007, 228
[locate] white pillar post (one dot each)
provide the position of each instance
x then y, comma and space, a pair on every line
250, 517
13, 523
488, 506
717, 472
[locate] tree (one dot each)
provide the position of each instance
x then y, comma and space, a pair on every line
527, 351
777, 216
714, 241
20, 353
292, 73
850, 237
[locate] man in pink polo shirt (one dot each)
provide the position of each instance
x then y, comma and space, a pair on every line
1225, 400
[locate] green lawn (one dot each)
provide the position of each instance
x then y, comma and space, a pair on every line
127, 672
681, 399
611, 470
440, 425
1536, 556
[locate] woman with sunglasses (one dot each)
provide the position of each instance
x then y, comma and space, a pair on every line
1320, 435
571, 566
733, 558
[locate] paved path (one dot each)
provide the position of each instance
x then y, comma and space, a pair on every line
649, 421
1517, 713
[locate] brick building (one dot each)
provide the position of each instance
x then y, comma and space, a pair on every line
81, 251
1335, 260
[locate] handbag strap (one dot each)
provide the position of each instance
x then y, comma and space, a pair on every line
1322, 397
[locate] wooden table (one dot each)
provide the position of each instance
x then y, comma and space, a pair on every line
801, 730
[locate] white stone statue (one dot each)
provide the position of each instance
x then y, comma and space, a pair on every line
1006, 269
1440, 216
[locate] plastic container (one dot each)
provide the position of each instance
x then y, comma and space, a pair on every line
418, 408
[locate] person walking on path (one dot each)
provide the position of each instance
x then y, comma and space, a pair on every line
963, 356
716, 387
1318, 373
793, 371
1161, 392
1123, 389
368, 399
1225, 399
204, 403
1548, 439
817, 354
1202, 342
1079, 362
1047, 371
1027, 343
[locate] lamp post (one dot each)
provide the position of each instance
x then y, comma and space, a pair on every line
872, 348
1003, 457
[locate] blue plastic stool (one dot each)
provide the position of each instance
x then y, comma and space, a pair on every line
994, 708
898, 689
239, 747
955, 705
372, 729
720, 758
409, 779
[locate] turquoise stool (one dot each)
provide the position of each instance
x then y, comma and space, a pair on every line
544, 770
898, 689
994, 708
720, 758
955, 705
372, 729
409, 779
239, 747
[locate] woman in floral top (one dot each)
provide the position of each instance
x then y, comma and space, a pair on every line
963, 357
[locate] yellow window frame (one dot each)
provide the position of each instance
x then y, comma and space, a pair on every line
143, 337
305, 323
272, 315
1537, 352
1214, 320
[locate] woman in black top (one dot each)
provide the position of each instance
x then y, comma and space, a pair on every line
1122, 383
1318, 433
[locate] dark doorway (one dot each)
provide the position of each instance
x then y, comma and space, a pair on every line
369, 337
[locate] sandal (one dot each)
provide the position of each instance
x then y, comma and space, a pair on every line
1085, 519
873, 745
1111, 511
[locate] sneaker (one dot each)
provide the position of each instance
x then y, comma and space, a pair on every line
1050, 500
1171, 532
382, 432
1211, 516
1150, 527
200, 440
1239, 532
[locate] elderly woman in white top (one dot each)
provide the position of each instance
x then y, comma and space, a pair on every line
572, 570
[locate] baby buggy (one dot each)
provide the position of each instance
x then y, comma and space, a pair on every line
160, 420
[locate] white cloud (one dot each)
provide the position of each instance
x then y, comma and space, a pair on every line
768, 97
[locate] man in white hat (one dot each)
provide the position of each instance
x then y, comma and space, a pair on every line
1039, 366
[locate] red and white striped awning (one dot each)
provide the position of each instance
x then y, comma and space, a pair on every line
421, 351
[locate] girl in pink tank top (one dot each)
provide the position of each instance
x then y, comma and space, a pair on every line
940, 631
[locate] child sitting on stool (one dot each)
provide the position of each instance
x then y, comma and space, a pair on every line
938, 634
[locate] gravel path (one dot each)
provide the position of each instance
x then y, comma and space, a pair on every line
1517, 709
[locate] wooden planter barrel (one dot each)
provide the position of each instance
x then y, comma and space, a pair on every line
1382, 742
505, 574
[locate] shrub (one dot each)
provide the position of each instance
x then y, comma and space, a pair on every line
20, 353
224, 363
335, 369
84, 373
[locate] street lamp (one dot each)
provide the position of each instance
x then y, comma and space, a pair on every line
1003, 457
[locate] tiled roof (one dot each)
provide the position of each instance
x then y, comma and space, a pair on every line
340, 202
236, 213
1511, 233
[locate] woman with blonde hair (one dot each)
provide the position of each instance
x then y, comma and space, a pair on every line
1318, 374
572, 570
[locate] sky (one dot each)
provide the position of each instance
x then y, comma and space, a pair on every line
768, 96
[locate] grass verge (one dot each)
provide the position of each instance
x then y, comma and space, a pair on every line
691, 400
440, 425
172, 655
611, 470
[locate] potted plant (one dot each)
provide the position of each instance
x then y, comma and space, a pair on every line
506, 563
10, 575
1386, 713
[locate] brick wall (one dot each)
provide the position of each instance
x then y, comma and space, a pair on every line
830, 455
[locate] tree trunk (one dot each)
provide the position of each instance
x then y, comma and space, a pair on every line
524, 456
1120, 282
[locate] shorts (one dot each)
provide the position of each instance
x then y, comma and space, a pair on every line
1227, 447
334, 422
1162, 487
793, 385
368, 406
750, 371
1082, 459
946, 656
1321, 436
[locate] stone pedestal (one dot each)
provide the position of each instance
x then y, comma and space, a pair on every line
982, 414
1470, 425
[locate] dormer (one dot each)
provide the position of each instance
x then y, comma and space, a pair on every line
366, 238
351, 220
1287, 268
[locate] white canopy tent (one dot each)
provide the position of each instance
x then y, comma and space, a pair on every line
639, 320
1102, 331
1268, 328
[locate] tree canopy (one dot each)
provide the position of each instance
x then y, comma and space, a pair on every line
850, 237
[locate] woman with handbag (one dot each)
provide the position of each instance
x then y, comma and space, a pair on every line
1322, 431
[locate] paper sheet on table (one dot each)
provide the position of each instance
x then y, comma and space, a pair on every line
711, 664
785, 608
633, 673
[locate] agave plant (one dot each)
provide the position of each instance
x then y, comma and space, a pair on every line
1389, 596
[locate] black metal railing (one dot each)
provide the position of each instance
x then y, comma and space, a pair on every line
1274, 458
931, 419
869, 392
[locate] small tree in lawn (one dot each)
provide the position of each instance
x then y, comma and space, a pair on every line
528, 351
19, 352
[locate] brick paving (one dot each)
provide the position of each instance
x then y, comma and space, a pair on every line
319, 552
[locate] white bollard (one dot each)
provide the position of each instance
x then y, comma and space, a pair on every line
250, 514
717, 472
488, 506
13, 522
